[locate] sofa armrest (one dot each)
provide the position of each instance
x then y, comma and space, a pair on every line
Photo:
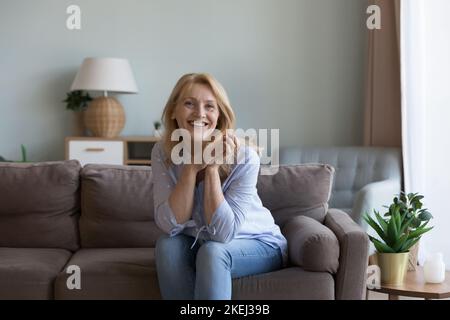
354, 242
374, 196
311, 245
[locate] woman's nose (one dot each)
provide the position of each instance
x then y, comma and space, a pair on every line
200, 111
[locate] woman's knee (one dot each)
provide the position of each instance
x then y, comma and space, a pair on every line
211, 253
171, 245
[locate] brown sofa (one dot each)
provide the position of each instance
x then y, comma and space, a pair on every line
100, 218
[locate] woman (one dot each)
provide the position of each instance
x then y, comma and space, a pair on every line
216, 226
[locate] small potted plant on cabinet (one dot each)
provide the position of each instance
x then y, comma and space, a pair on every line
78, 101
157, 132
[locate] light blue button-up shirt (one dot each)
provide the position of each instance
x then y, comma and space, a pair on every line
241, 214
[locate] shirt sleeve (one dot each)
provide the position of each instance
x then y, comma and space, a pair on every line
163, 184
238, 199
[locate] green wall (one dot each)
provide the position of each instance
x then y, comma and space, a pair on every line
297, 65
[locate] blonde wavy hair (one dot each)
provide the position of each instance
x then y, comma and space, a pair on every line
225, 121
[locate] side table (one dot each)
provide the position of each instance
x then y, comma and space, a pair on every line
415, 286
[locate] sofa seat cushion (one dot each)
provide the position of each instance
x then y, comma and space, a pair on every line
292, 283
312, 245
122, 273
30, 273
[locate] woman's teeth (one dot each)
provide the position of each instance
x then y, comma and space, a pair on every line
198, 124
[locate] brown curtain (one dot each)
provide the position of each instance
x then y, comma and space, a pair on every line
382, 115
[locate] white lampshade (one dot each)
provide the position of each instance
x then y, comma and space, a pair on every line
105, 74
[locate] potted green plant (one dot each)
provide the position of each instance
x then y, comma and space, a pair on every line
157, 132
24, 155
78, 101
399, 229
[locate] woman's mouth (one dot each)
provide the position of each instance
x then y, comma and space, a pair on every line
198, 124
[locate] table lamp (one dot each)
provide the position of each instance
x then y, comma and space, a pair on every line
105, 116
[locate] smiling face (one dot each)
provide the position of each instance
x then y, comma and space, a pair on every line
199, 104
197, 111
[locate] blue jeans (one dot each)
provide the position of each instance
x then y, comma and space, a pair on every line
206, 271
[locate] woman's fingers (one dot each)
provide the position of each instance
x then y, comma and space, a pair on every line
229, 149
229, 144
236, 141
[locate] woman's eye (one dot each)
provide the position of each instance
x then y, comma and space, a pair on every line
188, 103
210, 107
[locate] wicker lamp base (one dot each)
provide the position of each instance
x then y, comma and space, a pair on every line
105, 117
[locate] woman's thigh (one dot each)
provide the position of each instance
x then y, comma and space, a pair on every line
243, 256
176, 248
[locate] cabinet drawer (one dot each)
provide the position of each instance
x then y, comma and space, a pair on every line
102, 152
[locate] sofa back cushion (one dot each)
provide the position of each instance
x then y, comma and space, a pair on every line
117, 207
39, 204
297, 190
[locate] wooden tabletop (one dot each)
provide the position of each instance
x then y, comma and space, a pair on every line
415, 286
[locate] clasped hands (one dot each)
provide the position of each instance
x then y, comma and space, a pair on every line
223, 150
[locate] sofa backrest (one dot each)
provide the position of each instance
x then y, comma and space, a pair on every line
355, 167
39, 204
117, 207
297, 190
117, 201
